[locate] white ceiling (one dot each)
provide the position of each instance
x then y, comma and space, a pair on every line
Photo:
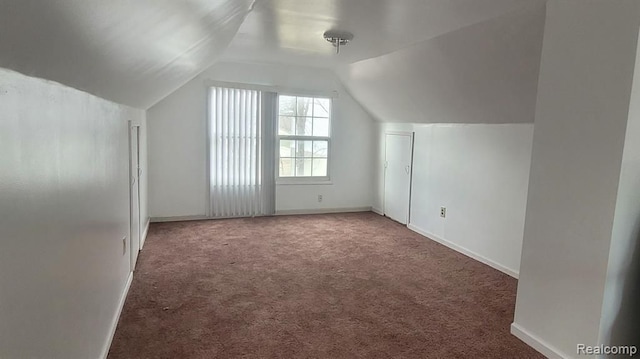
290, 31
484, 73
137, 52
131, 52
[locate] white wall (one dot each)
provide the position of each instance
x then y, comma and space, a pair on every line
480, 173
483, 78
620, 322
586, 73
64, 209
176, 131
177, 144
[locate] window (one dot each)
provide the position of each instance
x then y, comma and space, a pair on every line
303, 136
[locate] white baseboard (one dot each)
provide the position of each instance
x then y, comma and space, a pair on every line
116, 318
377, 211
193, 218
277, 213
537, 343
178, 218
144, 233
322, 211
465, 251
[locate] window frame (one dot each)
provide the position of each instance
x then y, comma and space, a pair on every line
303, 179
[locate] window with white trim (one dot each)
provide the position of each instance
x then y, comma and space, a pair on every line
303, 137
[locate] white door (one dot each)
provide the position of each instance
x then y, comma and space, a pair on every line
134, 182
397, 176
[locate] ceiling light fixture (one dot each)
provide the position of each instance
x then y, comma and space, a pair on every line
338, 38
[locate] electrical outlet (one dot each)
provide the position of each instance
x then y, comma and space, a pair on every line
124, 245
319, 198
443, 212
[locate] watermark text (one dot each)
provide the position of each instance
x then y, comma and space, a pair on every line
629, 350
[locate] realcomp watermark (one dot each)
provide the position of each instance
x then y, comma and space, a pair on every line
629, 350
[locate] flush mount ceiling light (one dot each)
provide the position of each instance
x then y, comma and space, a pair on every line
338, 38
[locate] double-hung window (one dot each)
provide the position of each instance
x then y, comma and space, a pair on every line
303, 137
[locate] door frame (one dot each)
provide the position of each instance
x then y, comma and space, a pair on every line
134, 174
411, 135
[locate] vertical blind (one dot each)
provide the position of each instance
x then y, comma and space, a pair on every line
241, 163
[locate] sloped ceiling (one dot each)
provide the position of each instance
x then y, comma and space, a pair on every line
131, 52
290, 31
460, 61
484, 73
410, 60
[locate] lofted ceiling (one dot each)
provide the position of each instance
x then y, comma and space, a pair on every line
138, 52
131, 52
421, 61
483, 73
290, 31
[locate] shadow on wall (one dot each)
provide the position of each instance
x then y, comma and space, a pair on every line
625, 329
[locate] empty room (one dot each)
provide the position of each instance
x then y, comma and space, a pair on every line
319, 179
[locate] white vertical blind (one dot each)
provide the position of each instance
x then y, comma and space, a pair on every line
240, 168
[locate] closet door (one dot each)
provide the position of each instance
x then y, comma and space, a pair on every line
397, 175
134, 192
